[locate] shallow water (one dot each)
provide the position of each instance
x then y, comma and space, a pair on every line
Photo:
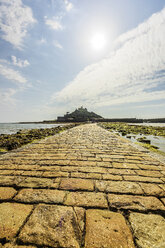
155, 140
158, 141
10, 128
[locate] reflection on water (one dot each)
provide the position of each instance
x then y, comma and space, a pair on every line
158, 141
155, 140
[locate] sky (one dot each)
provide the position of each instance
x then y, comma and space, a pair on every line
58, 55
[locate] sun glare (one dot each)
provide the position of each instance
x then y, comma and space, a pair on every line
98, 41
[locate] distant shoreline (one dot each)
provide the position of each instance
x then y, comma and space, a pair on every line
127, 120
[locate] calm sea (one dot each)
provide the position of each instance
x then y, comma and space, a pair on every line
10, 128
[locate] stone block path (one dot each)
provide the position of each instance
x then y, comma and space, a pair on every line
85, 187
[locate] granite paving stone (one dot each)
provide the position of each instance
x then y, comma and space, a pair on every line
152, 189
7, 193
11, 180
12, 217
149, 167
149, 230
93, 169
112, 177
56, 226
121, 171
8, 172
55, 174
86, 175
105, 229
104, 164
32, 182
162, 186
41, 195
86, 199
82, 188
77, 184
143, 179
49, 168
135, 202
119, 187
163, 179
125, 165
12, 245
149, 173
32, 173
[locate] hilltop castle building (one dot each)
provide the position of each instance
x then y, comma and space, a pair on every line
79, 115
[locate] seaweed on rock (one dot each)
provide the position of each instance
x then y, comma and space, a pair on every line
12, 141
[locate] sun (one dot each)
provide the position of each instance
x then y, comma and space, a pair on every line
98, 41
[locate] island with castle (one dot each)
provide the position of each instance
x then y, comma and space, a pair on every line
79, 115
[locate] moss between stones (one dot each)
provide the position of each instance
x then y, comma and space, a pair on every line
12, 141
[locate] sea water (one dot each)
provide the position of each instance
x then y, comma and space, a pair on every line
158, 141
10, 128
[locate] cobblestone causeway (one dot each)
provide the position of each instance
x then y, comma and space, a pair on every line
85, 187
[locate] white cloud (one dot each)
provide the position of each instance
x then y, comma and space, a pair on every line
57, 44
54, 23
18, 62
4, 61
132, 73
42, 41
15, 18
12, 74
68, 5
6, 96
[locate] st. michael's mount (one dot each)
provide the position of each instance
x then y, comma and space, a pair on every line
79, 115
83, 115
